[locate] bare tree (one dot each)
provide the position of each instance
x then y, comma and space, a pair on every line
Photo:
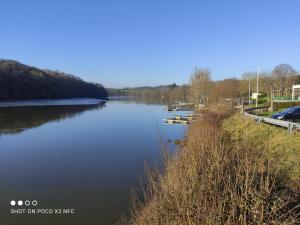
248, 81
200, 85
284, 76
226, 90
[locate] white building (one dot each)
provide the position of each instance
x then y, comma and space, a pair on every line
255, 95
296, 92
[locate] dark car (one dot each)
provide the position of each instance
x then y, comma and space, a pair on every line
290, 114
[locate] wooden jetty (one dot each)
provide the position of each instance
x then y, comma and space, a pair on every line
178, 119
189, 118
171, 109
180, 106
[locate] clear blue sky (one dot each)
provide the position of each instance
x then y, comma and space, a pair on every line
138, 42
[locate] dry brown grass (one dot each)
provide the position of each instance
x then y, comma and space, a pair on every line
216, 179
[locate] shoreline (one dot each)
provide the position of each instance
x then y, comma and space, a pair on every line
51, 102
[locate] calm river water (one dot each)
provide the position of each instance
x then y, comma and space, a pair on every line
82, 157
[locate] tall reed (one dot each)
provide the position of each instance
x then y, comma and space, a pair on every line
215, 179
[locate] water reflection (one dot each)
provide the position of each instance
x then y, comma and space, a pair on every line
89, 163
14, 120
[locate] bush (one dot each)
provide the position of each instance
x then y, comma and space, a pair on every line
261, 100
282, 105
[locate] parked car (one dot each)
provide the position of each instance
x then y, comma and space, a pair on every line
289, 114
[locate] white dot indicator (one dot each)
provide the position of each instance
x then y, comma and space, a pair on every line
12, 203
27, 202
20, 203
34, 202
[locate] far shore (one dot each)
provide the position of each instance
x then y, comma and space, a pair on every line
52, 102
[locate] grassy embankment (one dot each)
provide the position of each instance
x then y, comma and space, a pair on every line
230, 170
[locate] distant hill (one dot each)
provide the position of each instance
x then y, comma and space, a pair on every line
19, 81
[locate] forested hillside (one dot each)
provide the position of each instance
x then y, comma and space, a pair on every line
19, 81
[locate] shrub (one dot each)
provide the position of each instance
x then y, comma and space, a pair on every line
282, 105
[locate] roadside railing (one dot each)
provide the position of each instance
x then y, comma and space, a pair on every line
290, 126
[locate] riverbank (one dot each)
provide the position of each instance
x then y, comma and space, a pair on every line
229, 171
52, 102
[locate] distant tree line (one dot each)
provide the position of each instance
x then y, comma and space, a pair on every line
18, 81
279, 82
202, 89
164, 93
